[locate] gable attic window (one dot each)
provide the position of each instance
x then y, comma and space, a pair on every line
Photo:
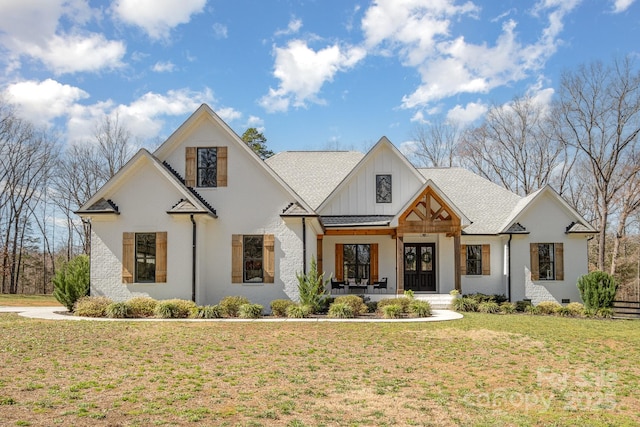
547, 261
383, 188
475, 260
144, 257
206, 167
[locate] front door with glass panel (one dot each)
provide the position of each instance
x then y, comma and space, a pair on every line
420, 267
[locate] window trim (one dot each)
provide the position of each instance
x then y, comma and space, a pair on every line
246, 259
379, 178
556, 252
238, 260
478, 260
130, 258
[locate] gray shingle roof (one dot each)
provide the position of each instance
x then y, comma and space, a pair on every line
314, 174
486, 204
356, 220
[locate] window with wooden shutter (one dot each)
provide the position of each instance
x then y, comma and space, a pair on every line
463, 260
559, 252
144, 257
252, 258
222, 167
535, 269
190, 167
547, 261
486, 260
128, 260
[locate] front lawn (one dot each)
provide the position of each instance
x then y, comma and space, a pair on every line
23, 300
482, 370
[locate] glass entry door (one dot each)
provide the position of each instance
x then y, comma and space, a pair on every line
420, 267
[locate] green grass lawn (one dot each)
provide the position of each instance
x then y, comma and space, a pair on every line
19, 300
482, 370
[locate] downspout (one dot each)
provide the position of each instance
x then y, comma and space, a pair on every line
88, 221
304, 245
193, 259
509, 267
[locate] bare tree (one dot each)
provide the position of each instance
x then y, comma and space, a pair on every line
600, 117
114, 144
437, 143
515, 147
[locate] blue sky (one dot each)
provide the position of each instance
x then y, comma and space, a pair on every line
310, 74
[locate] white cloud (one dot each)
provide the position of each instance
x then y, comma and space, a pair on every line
220, 31
31, 28
302, 71
164, 67
157, 17
622, 5
293, 27
228, 114
40, 102
467, 114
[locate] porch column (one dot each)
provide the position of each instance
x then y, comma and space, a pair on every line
399, 264
456, 262
319, 254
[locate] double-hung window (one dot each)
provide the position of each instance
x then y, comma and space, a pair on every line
357, 261
547, 261
207, 167
474, 260
144, 257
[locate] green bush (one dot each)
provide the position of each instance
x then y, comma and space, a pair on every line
605, 313
488, 307
298, 311
465, 304
279, 307
420, 308
141, 306
250, 311
403, 302
312, 287
564, 312
575, 309
372, 306
91, 306
208, 312
71, 281
118, 310
521, 306
231, 305
341, 310
175, 309
531, 309
507, 307
358, 307
548, 307
392, 311
480, 298
597, 289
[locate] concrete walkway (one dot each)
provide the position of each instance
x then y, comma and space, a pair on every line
57, 313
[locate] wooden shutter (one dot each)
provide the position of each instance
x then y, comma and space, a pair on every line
559, 248
161, 257
190, 167
463, 259
128, 257
222, 167
486, 260
535, 267
373, 266
268, 252
236, 258
339, 261
319, 252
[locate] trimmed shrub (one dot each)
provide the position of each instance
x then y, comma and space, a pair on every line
358, 307
91, 306
312, 287
341, 310
531, 309
420, 308
521, 306
372, 306
403, 302
479, 298
279, 307
392, 311
597, 289
605, 313
548, 307
71, 281
298, 311
507, 307
564, 312
488, 307
118, 310
231, 305
175, 309
208, 312
575, 309
465, 304
141, 306
250, 311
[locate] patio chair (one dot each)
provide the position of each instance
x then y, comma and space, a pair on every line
381, 284
335, 284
